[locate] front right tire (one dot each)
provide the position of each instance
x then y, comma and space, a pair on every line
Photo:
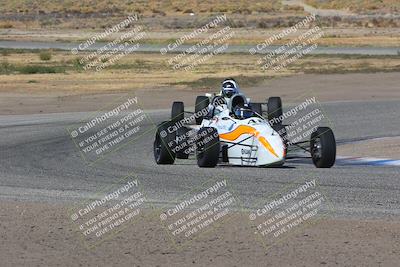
323, 147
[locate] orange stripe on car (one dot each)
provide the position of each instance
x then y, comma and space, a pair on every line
244, 129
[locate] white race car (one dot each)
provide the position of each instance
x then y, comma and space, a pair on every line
226, 128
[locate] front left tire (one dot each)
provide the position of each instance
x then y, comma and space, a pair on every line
163, 146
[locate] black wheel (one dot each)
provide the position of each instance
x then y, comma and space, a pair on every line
183, 145
257, 107
177, 111
164, 143
207, 147
323, 147
202, 103
274, 106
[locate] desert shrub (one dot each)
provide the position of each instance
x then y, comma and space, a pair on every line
5, 67
45, 55
188, 11
4, 52
6, 25
76, 63
36, 69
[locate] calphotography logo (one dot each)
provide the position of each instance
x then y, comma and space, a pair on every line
108, 54
109, 131
289, 211
214, 42
99, 219
301, 122
279, 58
199, 212
180, 140
204, 29
114, 29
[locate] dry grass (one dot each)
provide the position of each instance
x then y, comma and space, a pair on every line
185, 6
141, 6
98, 14
381, 37
357, 41
144, 70
358, 5
176, 14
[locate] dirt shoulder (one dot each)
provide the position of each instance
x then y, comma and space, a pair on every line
41, 234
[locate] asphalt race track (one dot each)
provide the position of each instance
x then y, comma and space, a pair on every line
40, 162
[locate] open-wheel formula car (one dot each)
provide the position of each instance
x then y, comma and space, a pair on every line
227, 129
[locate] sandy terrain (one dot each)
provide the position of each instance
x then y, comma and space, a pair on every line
38, 234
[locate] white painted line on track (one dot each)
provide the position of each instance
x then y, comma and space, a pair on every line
367, 161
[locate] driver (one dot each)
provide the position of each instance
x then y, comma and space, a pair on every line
229, 88
243, 112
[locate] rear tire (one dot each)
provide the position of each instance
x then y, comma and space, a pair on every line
177, 111
207, 147
163, 145
202, 103
323, 147
257, 107
274, 110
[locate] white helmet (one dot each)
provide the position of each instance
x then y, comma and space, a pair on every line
229, 88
